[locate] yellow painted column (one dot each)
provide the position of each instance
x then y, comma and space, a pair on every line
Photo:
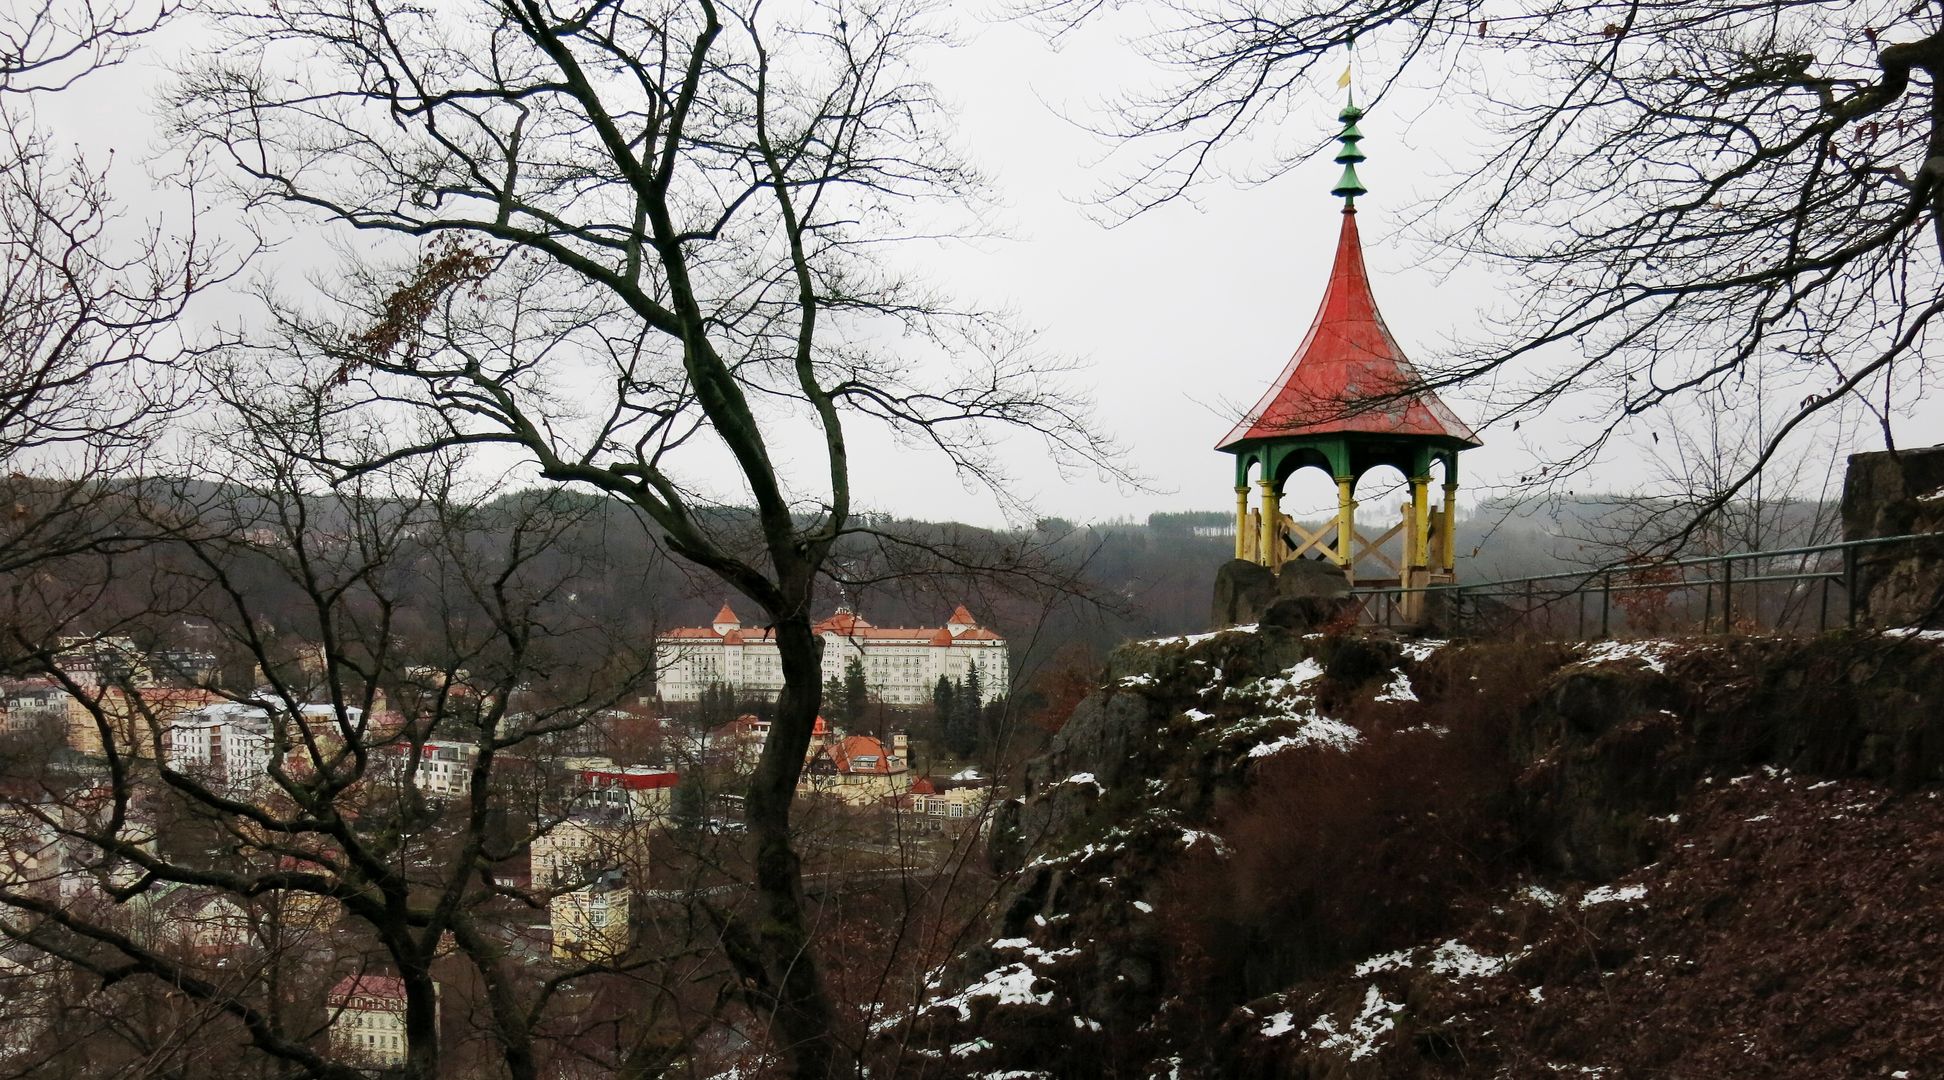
1271, 527
1451, 528
1346, 523
1242, 521
1420, 527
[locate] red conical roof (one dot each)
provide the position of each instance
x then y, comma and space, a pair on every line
726, 616
961, 617
1345, 368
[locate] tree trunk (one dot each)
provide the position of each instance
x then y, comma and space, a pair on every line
803, 1020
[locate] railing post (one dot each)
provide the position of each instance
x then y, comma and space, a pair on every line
1579, 627
1849, 583
1606, 606
1822, 615
1728, 596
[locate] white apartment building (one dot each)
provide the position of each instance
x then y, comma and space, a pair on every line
225, 745
368, 1019
231, 741
901, 664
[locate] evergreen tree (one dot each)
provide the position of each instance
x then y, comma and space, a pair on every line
992, 719
833, 700
962, 723
942, 703
857, 693
689, 802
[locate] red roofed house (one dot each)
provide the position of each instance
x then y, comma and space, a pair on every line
367, 1019
858, 769
901, 664
939, 805
1349, 401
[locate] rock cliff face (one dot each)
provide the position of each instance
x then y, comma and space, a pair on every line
1260, 853
1898, 494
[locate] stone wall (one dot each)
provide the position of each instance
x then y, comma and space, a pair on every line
1897, 493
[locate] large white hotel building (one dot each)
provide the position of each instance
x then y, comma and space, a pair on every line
901, 664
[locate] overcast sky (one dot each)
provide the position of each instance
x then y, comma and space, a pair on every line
1184, 315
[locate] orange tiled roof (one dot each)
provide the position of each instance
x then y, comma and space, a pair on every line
847, 750
846, 624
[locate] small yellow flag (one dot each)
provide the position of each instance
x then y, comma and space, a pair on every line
1344, 80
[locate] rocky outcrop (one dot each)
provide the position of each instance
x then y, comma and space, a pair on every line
1898, 493
1305, 595
1361, 856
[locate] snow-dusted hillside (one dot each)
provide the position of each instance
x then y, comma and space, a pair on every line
1256, 853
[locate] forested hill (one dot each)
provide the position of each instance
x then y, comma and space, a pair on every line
1078, 587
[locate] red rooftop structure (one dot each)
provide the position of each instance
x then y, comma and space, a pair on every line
1349, 401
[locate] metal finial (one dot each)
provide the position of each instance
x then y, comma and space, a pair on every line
1348, 185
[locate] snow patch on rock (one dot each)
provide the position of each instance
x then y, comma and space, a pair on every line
1359, 1039
1609, 894
1650, 654
1398, 689
1315, 731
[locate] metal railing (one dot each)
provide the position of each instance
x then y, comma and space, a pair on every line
1785, 590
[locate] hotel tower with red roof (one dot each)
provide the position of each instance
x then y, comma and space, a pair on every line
901, 664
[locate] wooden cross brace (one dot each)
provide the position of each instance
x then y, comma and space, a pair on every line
1369, 547
1320, 539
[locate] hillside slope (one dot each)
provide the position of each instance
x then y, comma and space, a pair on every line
1256, 853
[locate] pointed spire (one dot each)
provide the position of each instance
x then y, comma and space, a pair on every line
1348, 185
1348, 360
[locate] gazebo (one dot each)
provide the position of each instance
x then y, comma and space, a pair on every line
1349, 401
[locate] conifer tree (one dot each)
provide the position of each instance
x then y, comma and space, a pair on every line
856, 691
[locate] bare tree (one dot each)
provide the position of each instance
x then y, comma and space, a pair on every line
403, 659
88, 301
1681, 194
658, 263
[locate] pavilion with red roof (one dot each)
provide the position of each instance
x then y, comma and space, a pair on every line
1349, 401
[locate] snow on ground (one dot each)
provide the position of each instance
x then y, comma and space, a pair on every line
1196, 639
1190, 837
1360, 1038
1608, 894
1385, 962
1315, 731
1420, 651
1034, 953
1282, 1023
1084, 778
1399, 688
1651, 654
1453, 960
1291, 680
1541, 895
1456, 960
1915, 633
1130, 682
1008, 985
